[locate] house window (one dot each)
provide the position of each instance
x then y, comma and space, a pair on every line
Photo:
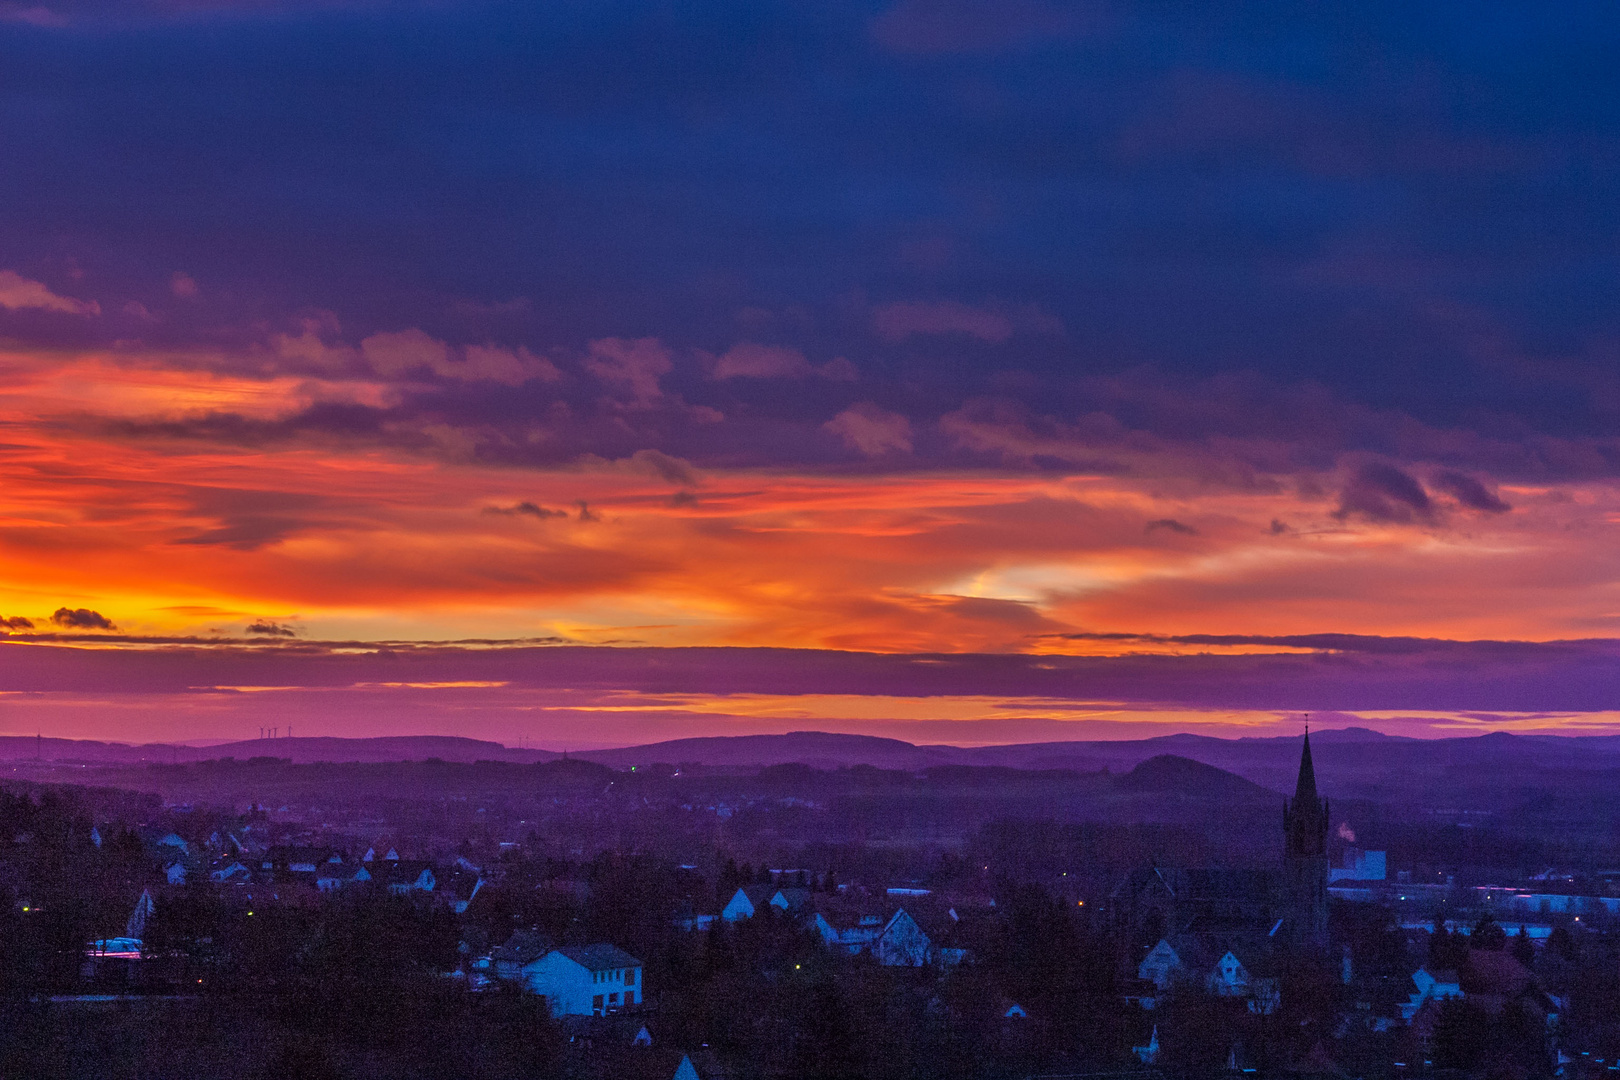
613, 999
629, 976
596, 1003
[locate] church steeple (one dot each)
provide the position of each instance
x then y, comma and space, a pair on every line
1305, 829
1305, 790
1305, 816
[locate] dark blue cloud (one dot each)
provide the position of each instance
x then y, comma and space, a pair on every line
1414, 209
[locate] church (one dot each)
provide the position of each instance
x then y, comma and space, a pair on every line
1230, 926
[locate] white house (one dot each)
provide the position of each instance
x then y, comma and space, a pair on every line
850, 939
1230, 978
585, 980
1160, 965
742, 905
902, 943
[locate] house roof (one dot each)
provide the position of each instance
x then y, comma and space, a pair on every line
599, 957
523, 946
1494, 971
404, 870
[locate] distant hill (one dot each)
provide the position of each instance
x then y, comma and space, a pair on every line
1168, 774
1351, 763
819, 749
300, 750
383, 748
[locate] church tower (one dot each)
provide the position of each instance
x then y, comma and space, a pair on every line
1305, 860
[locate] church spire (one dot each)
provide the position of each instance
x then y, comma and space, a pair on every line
1305, 790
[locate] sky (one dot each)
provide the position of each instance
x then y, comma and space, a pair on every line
1231, 361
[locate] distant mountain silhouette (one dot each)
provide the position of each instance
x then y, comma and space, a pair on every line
1169, 774
823, 750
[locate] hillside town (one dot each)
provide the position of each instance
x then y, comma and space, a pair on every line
360, 956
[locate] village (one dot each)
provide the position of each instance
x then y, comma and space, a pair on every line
620, 962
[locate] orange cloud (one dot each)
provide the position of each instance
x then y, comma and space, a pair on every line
362, 540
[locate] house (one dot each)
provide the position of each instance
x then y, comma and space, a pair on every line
585, 980
1229, 977
232, 873
689, 920
300, 860
749, 900
404, 876
381, 851
175, 872
1160, 966
903, 943
521, 949
1437, 986
745, 903
1148, 1054
685, 1070
330, 878
849, 935
175, 841
1495, 981
791, 900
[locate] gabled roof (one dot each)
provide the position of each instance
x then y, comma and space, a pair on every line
599, 957
794, 897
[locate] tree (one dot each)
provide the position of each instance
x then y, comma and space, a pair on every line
1523, 951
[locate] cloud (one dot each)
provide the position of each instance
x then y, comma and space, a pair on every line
269, 628
16, 622
1381, 492
748, 360
399, 353
1470, 492
18, 293
630, 367
528, 509
871, 430
183, 285
664, 466
81, 619
1169, 525
491, 363
403, 353
899, 321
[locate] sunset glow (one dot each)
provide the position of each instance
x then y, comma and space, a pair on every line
1103, 402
